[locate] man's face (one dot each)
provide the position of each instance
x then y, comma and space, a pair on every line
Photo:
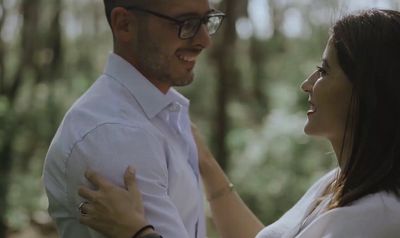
159, 54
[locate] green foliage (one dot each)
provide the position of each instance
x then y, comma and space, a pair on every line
278, 163
26, 198
272, 161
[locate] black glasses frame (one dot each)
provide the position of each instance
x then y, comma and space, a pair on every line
181, 23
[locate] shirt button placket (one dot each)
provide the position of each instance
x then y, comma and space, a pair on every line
174, 110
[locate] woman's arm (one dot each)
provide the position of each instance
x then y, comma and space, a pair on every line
231, 216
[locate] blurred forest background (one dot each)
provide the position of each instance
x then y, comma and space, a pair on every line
245, 98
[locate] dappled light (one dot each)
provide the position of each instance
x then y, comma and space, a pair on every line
245, 97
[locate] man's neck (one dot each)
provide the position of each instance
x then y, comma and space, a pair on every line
162, 86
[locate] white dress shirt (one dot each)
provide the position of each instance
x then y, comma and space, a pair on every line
373, 216
124, 120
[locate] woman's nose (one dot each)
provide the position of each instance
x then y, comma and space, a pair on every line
307, 84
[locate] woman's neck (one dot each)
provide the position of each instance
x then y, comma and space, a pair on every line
342, 150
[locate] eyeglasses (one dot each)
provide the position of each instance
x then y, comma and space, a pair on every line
188, 28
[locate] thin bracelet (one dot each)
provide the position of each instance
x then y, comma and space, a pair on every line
141, 230
151, 235
221, 192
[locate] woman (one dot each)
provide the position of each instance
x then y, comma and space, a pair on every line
355, 103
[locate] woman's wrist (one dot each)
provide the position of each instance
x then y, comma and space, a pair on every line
216, 183
229, 188
132, 229
147, 229
152, 235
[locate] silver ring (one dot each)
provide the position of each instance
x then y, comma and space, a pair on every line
81, 208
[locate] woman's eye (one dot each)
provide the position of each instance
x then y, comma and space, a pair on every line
321, 71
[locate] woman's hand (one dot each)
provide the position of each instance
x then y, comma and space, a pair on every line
114, 211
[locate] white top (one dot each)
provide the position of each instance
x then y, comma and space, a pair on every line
124, 120
374, 216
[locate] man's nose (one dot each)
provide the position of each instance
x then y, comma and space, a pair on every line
202, 37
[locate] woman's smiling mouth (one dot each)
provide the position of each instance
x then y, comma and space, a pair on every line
312, 108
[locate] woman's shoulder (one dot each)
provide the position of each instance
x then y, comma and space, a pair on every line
380, 206
379, 200
292, 218
316, 190
375, 215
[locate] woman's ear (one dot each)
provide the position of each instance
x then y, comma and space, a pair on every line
122, 24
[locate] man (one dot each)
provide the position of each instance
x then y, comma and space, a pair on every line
132, 116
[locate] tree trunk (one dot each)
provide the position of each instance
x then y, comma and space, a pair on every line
224, 56
258, 59
10, 89
5, 168
2, 48
5, 143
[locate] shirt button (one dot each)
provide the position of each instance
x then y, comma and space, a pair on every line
175, 107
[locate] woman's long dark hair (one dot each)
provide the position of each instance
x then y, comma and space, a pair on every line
368, 49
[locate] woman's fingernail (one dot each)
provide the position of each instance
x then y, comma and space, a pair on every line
131, 170
87, 173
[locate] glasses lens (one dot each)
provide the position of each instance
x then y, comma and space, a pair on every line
213, 24
189, 28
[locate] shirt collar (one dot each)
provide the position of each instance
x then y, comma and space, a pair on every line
150, 98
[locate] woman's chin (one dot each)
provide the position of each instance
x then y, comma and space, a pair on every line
309, 130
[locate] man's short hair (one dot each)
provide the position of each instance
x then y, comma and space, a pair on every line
109, 5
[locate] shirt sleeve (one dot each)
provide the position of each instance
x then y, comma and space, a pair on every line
108, 150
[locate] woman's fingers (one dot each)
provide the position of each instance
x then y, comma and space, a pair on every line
130, 178
110, 209
93, 223
130, 183
96, 179
195, 131
86, 193
198, 137
87, 208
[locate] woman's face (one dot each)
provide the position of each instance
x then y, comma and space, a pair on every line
329, 97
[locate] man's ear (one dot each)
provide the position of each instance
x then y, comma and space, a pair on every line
122, 24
